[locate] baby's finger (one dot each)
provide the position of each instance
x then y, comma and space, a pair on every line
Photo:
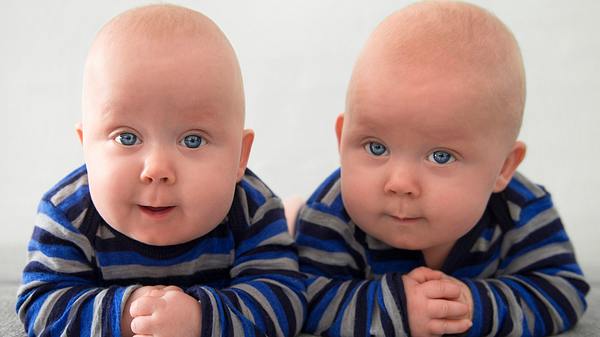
171, 288
156, 292
446, 309
448, 326
144, 306
424, 274
441, 289
142, 325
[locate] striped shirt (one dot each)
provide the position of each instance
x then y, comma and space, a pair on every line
80, 271
517, 261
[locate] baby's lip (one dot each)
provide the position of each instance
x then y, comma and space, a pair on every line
405, 217
156, 210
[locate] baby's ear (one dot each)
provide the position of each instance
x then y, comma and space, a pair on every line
79, 130
339, 124
247, 139
512, 161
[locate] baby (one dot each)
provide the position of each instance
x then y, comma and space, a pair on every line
164, 231
427, 229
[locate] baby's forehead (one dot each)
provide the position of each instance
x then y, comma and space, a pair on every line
433, 40
158, 21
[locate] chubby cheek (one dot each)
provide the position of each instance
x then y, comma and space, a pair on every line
458, 211
361, 194
207, 198
111, 189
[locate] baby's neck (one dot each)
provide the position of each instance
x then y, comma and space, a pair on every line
436, 256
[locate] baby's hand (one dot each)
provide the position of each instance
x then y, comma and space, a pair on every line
126, 316
166, 312
433, 304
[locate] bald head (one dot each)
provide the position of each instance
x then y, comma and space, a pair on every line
455, 40
168, 32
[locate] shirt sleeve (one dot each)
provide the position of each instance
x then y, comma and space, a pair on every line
538, 289
266, 296
59, 294
340, 301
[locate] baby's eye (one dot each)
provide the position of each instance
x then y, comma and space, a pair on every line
376, 149
441, 157
127, 139
193, 141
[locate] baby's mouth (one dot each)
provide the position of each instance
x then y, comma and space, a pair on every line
159, 210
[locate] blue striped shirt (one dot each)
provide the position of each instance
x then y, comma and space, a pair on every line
517, 261
81, 271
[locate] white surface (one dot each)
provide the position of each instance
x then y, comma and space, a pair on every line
296, 57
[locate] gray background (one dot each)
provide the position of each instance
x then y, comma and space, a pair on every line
296, 57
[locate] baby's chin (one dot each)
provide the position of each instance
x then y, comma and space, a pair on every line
163, 240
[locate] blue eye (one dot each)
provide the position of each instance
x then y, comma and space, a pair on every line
127, 139
441, 157
193, 141
375, 148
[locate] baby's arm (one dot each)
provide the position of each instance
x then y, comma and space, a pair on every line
538, 288
59, 292
266, 292
341, 302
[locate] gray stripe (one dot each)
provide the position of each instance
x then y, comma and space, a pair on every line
243, 200
535, 255
533, 188
376, 326
567, 289
345, 230
246, 311
483, 245
514, 210
375, 244
236, 323
216, 320
75, 308
316, 286
25, 305
495, 310
97, 317
263, 302
514, 309
57, 264
258, 185
556, 318
46, 223
332, 309
294, 299
104, 233
282, 263
519, 234
490, 269
529, 316
390, 305
334, 191
349, 314
204, 262
68, 190
270, 204
283, 239
79, 219
329, 258
41, 321
128, 291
